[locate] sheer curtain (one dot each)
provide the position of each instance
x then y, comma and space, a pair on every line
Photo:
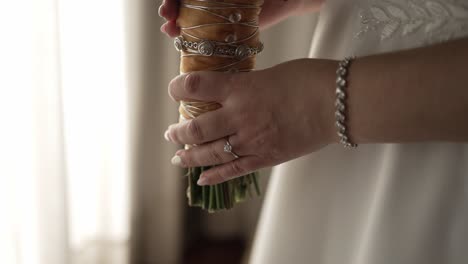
32, 197
84, 172
64, 136
85, 175
95, 107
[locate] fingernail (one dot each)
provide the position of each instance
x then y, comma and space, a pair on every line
202, 181
160, 12
177, 161
163, 28
166, 135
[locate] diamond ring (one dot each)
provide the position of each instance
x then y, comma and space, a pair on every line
228, 148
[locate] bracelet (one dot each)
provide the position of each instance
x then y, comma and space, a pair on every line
213, 48
341, 85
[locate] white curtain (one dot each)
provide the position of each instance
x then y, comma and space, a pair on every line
64, 143
32, 197
84, 170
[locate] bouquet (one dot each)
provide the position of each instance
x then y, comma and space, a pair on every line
217, 35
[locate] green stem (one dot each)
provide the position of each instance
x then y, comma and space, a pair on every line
218, 201
211, 205
220, 196
255, 180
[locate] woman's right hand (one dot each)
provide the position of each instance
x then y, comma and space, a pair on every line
273, 11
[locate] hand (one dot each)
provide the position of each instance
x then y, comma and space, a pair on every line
273, 11
269, 116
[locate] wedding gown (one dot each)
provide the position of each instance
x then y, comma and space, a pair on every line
377, 204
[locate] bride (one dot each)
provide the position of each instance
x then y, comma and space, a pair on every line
401, 196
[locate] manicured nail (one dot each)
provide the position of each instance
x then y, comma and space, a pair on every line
177, 161
163, 28
202, 181
160, 10
166, 135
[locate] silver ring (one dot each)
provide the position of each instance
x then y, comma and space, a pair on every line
228, 148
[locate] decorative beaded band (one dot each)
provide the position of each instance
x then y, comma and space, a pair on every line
214, 48
341, 85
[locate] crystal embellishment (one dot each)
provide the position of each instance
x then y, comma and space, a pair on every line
242, 51
227, 148
206, 48
235, 17
178, 44
230, 38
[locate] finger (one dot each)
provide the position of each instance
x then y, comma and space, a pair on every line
230, 170
204, 128
171, 29
208, 154
171, 9
203, 86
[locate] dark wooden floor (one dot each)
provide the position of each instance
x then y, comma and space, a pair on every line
215, 252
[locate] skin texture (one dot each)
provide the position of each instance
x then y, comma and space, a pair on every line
266, 128
417, 95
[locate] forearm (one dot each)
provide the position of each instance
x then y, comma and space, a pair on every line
410, 96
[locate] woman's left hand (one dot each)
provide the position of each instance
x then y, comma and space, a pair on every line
269, 116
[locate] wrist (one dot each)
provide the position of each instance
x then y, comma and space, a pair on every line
327, 106
320, 98
334, 114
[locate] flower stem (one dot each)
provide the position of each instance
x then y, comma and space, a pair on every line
220, 196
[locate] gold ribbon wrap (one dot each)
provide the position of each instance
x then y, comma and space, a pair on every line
227, 23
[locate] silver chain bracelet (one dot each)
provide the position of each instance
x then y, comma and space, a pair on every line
341, 84
216, 48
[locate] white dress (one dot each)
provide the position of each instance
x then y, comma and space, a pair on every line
377, 204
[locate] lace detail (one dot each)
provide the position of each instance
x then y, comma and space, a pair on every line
438, 20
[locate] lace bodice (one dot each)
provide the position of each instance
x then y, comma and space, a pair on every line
437, 20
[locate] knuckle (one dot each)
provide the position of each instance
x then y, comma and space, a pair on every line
242, 149
169, 92
276, 151
273, 154
194, 130
218, 176
214, 156
259, 143
236, 169
186, 156
192, 82
222, 175
173, 135
170, 89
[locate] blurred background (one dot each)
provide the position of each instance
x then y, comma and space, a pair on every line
85, 173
